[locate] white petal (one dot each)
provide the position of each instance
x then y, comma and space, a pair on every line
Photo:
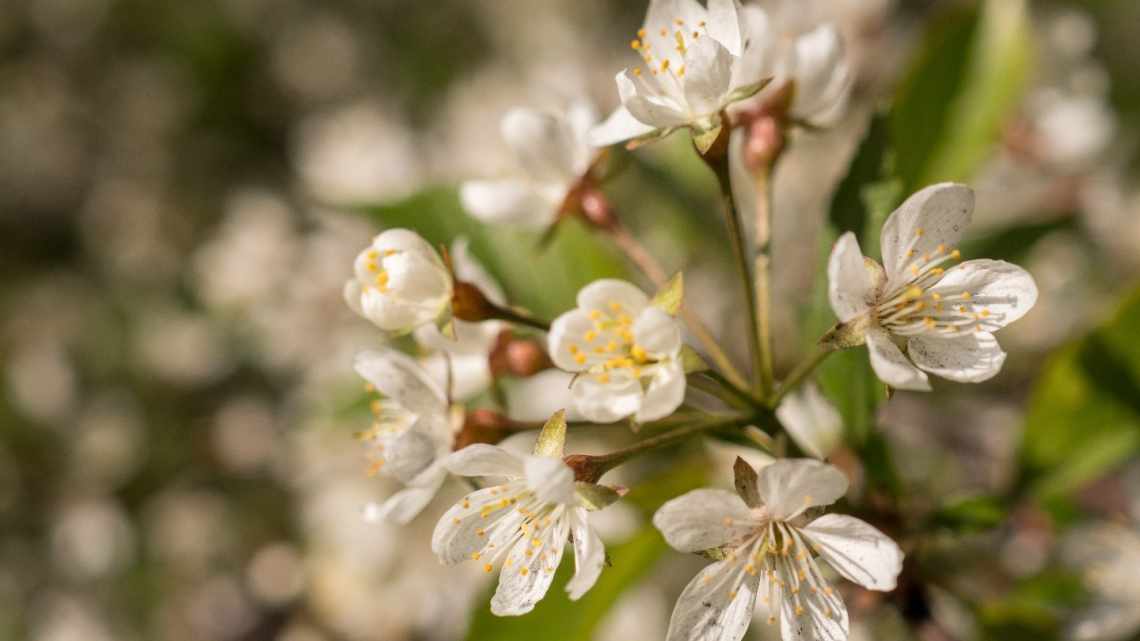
665, 393
814, 622
936, 215
581, 117
848, 285
602, 294
397, 376
543, 144
620, 126
822, 75
703, 519
469, 269
482, 459
645, 102
716, 605
606, 402
551, 480
1006, 291
724, 24
811, 420
790, 486
660, 25
404, 240
525, 579
589, 554
352, 293
567, 338
891, 366
461, 531
393, 314
657, 332
468, 374
969, 358
856, 550
405, 505
758, 60
418, 279
507, 201
708, 76
537, 397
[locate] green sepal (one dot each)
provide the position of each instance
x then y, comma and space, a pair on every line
595, 497
552, 438
670, 297
692, 362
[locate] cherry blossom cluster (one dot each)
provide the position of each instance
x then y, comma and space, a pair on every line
621, 355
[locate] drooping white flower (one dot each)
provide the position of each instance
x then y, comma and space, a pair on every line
552, 153
1107, 556
627, 351
817, 65
696, 63
943, 318
769, 549
399, 282
412, 433
811, 420
523, 524
462, 361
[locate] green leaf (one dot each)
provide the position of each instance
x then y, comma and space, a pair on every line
691, 361
552, 438
971, 514
543, 281
965, 83
670, 297
1084, 412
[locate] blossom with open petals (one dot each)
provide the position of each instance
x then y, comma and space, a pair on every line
1107, 556
915, 314
768, 548
399, 282
411, 435
627, 351
696, 63
521, 525
552, 154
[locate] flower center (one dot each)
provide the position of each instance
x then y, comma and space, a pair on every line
664, 51
529, 520
375, 266
608, 348
390, 419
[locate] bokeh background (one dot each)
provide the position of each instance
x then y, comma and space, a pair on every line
183, 187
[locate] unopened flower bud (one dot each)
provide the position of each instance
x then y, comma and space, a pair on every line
596, 208
399, 282
764, 143
521, 357
483, 426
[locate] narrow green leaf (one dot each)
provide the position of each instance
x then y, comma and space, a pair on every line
595, 497
691, 361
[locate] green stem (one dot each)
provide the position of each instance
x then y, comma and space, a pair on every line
719, 164
518, 318
591, 468
742, 398
798, 374
763, 261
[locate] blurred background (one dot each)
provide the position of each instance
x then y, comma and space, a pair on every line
184, 185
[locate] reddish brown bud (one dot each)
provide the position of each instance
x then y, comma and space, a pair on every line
470, 304
764, 143
587, 469
596, 208
483, 426
519, 357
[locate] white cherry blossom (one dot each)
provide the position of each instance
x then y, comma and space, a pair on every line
1107, 556
811, 420
552, 154
521, 525
626, 350
917, 315
399, 283
768, 548
411, 435
462, 361
696, 63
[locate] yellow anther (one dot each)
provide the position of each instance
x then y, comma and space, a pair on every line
611, 346
382, 280
664, 32
466, 504
727, 521
799, 610
602, 378
456, 521
638, 353
624, 319
955, 254
732, 594
665, 65
536, 542
635, 44
637, 71
937, 271
372, 254
919, 232
375, 406
595, 314
928, 321
750, 569
679, 22
590, 335
475, 556
940, 248
487, 567
373, 267
967, 295
771, 619
701, 23
985, 313
936, 295
580, 358
524, 570
681, 72
641, 33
